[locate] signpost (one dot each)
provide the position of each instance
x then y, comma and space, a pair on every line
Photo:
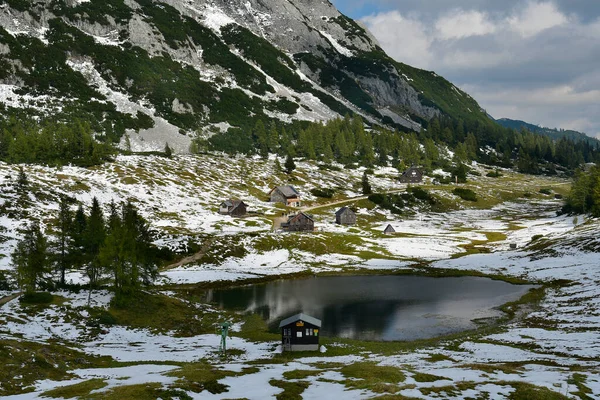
223, 329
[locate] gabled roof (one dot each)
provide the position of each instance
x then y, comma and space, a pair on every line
412, 169
343, 210
299, 214
300, 317
288, 191
389, 228
233, 204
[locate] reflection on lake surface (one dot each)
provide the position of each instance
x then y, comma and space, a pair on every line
385, 308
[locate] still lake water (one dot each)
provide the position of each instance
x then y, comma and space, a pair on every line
382, 308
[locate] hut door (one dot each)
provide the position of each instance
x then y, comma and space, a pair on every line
287, 339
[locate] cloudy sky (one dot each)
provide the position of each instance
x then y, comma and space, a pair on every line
535, 60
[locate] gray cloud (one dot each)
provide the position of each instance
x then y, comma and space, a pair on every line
537, 60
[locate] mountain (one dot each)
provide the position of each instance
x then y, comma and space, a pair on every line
170, 69
552, 133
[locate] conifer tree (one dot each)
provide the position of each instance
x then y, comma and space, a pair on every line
128, 252
31, 259
94, 236
78, 227
366, 186
64, 228
289, 165
168, 151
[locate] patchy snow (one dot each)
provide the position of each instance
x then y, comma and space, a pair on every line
338, 47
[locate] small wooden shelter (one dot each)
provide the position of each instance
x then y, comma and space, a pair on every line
235, 208
300, 222
412, 175
300, 333
345, 216
287, 195
389, 230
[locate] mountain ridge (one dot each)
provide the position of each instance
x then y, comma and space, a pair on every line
207, 65
550, 132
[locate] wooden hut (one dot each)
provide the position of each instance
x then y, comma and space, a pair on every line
287, 195
389, 230
412, 175
345, 216
300, 222
235, 208
300, 333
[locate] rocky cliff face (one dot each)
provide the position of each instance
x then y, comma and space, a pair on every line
181, 66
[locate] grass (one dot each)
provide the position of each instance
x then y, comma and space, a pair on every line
78, 390
162, 313
422, 377
583, 391
291, 390
369, 375
301, 373
33, 361
531, 392
199, 377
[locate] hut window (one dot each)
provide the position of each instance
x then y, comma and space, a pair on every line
299, 334
309, 332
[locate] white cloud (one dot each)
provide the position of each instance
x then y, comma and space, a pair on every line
466, 59
460, 24
404, 39
535, 18
533, 62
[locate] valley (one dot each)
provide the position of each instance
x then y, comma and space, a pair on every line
164, 344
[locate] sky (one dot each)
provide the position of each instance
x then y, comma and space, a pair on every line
533, 60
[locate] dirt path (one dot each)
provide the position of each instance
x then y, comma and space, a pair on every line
6, 299
350, 200
193, 258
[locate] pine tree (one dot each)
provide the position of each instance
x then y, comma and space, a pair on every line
289, 165
273, 139
94, 236
168, 151
64, 228
78, 227
260, 135
31, 259
366, 186
22, 181
128, 252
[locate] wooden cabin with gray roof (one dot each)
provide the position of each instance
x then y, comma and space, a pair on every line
300, 222
287, 195
300, 332
412, 175
235, 208
345, 216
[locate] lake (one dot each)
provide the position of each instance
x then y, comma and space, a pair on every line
381, 308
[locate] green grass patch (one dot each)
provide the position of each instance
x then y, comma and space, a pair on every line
162, 313
531, 392
465, 194
422, 377
438, 358
583, 392
301, 373
34, 361
199, 377
291, 390
369, 375
448, 391
146, 391
78, 390
255, 329
495, 236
